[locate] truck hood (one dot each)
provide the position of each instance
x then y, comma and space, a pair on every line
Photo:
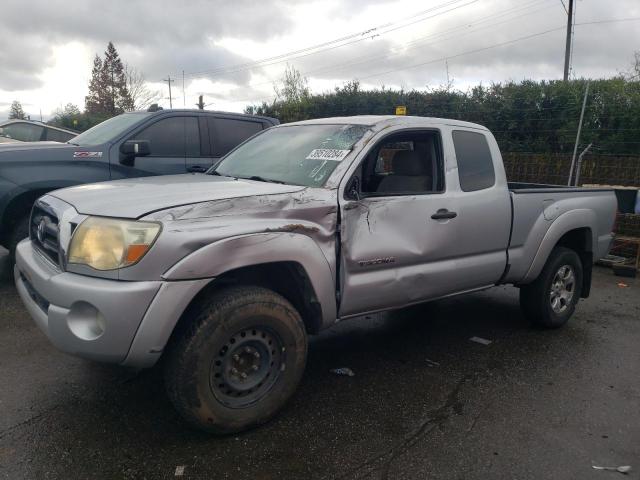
16, 146
137, 197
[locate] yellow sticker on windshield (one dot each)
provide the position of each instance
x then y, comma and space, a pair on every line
327, 154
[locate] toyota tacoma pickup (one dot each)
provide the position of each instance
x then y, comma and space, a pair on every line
156, 142
225, 274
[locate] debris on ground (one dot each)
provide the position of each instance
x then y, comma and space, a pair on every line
480, 340
622, 285
344, 371
431, 363
622, 469
179, 471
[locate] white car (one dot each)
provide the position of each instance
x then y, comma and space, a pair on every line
28, 131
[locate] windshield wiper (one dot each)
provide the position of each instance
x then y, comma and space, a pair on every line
258, 178
76, 144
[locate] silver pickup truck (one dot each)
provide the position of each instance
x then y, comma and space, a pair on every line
225, 274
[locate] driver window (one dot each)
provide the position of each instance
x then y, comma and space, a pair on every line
406, 163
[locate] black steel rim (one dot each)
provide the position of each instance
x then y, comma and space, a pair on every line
247, 366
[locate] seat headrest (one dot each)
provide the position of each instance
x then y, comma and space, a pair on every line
408, 163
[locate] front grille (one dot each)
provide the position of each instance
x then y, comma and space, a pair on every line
44, 231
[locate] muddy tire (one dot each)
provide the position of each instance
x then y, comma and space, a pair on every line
551, 299
238, 361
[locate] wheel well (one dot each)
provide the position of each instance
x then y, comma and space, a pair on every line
581, 242
288, 279
16, 209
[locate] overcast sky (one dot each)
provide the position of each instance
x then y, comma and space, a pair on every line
47, 46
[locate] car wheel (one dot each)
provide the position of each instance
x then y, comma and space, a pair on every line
238, 361
552, 298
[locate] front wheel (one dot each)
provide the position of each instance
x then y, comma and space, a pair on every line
552, 298
239, 360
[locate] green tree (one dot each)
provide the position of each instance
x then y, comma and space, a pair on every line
16, 111
68, 116
529, 116
108, 93
95, 100
293, 86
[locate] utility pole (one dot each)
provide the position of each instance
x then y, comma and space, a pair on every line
169, 80
446, 63
579, 167
567, 50
575, 148
184, 96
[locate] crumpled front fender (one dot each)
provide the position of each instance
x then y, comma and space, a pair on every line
232, 253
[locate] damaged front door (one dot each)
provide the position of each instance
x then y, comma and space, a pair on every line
396, 239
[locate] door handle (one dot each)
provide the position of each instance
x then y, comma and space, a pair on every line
444, 214
196, 169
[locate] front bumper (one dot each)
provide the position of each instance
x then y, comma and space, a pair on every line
99, 319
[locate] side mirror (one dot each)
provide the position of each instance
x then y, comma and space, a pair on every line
352, 192
134, 148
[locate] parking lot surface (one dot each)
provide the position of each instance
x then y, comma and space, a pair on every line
425, 401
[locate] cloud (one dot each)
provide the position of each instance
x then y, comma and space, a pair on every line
161, 37
162, 34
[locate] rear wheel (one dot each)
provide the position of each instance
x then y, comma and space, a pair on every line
238, 362
552, 298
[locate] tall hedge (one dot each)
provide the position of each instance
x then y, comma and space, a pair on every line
530, 116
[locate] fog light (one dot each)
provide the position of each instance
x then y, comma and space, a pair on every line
85, 321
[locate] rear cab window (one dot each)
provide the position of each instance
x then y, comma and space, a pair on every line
227, 133
475, 163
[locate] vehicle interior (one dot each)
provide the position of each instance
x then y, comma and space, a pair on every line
404, 164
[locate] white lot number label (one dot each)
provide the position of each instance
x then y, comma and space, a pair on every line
327, 154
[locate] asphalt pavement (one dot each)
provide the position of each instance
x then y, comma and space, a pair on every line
426, 402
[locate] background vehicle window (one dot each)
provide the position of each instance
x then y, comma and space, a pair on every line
475, 165
227, 133
192, 137
405, 163
109, 129
25, 132
54, 135
167, 137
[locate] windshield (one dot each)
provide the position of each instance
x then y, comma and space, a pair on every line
107, 130
299, 155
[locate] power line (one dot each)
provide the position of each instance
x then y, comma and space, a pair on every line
416, 42
331, 44
564, 6
468, 52
501, 44
441, 37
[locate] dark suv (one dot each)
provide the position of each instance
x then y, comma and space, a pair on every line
133, 144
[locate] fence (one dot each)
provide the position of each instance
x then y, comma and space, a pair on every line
554, 169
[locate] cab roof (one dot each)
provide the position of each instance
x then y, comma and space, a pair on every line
381, 121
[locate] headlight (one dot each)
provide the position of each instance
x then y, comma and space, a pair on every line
109, 243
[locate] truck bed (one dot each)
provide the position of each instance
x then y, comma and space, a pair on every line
536, 207
521, 187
